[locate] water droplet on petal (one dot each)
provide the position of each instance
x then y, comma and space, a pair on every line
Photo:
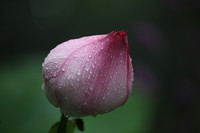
91, 88
87, 69
89, 56
93, 66
63, 69
78, 73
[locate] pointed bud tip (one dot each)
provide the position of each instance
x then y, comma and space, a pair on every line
123, 33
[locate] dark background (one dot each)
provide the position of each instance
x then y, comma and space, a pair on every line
164, 37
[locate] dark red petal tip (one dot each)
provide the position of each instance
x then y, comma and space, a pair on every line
120, 35
123, 33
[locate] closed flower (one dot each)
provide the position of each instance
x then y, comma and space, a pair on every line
90, 75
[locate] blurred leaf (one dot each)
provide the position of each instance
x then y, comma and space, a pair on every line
70, 127
79, 123
54, 128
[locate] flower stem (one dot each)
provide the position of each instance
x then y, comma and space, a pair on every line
63, 124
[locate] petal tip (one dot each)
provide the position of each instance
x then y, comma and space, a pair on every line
123, 33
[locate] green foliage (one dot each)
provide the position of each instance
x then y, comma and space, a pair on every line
70, 127
54, 128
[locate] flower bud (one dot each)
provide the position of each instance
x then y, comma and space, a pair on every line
90, 75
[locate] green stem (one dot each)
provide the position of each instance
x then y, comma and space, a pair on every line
63, 124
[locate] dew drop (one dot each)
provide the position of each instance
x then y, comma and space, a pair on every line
75, 55
87, 60
87, 69
89, 56
66, 97
93, 66
120, 61
78, 73
103, 98
85, 103
63, 69
100, 74
46, 68
72, 84
56, 62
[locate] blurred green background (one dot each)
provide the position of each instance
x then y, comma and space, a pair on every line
164, 37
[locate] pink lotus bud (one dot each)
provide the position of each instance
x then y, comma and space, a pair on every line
90, 75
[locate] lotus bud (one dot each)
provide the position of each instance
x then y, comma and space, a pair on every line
90, 75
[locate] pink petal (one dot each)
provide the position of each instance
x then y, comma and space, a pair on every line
89, 76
